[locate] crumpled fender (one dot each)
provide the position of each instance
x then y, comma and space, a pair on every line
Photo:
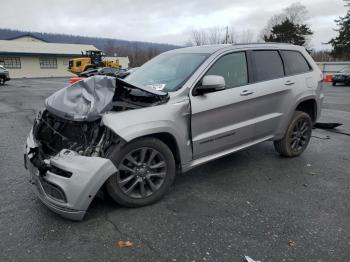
172, 118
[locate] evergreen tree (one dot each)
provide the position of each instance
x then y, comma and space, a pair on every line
289, 32
341, 43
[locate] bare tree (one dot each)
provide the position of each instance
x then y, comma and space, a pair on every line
233, 36
296, 13
198, 37
216, 35
219, 35
246, 36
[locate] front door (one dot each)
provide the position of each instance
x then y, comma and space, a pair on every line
224, 119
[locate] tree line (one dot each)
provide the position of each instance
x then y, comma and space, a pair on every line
137, 51
289, 26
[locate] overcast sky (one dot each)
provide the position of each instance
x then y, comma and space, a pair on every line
160, 20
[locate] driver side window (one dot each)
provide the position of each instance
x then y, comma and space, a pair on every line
233, 67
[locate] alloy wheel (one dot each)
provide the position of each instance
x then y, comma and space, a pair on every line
300, 135
141, 172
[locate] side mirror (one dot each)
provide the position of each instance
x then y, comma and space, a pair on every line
211, 83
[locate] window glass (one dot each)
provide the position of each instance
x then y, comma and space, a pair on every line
11, 62
268, 65
167, 71
295, 63
47, 62
233, 67
345, 70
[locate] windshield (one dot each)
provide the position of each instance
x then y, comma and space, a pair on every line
167, 72
345, 70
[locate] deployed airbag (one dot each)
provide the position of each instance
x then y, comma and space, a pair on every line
85, 100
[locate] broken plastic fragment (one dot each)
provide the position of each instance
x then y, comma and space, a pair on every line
249, 259
291, 243
127, 243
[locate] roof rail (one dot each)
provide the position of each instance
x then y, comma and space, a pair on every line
262, 43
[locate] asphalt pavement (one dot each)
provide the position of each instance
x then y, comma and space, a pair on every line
253, 202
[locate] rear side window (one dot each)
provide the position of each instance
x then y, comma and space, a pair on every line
295, 63
267, 65
233, 67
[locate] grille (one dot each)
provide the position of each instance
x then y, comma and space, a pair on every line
60, 172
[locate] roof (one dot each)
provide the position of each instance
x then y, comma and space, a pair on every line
27, 35
41, 48
210, 49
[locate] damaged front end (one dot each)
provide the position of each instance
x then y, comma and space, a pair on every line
67, 149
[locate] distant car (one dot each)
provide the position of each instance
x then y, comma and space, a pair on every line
343, 76
106, 71
4, 75
124, 73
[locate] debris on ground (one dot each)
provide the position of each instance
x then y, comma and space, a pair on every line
127, 243
331, 127
249, 259
327, 125
291, 243
322, 138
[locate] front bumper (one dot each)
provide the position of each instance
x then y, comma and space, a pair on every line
68, 196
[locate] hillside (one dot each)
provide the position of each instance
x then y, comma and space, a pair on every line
138, 51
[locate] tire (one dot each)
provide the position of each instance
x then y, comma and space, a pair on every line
334, 83
297, 136
136, 185
2, 81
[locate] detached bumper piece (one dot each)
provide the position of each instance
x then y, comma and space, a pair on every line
67, 182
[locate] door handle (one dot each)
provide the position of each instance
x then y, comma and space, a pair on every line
246, 92
289, 83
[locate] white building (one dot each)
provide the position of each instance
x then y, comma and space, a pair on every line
28, 56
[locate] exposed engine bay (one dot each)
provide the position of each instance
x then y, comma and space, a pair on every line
72, 118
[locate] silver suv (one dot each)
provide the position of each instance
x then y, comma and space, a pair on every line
179, 110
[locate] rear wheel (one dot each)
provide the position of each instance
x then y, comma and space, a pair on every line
146, 170
297, 136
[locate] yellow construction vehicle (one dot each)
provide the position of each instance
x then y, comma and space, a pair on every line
91, 59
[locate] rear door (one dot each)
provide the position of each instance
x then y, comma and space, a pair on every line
223, 119
298, 70
271, 90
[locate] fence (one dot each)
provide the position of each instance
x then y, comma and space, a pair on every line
332, 67
329, 68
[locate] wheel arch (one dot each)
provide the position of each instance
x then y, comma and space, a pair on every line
169, 140
181, 149
309, 106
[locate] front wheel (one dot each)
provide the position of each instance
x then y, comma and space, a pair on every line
146, 170
297, 136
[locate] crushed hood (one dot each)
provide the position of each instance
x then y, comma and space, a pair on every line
149, 90
87, 99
